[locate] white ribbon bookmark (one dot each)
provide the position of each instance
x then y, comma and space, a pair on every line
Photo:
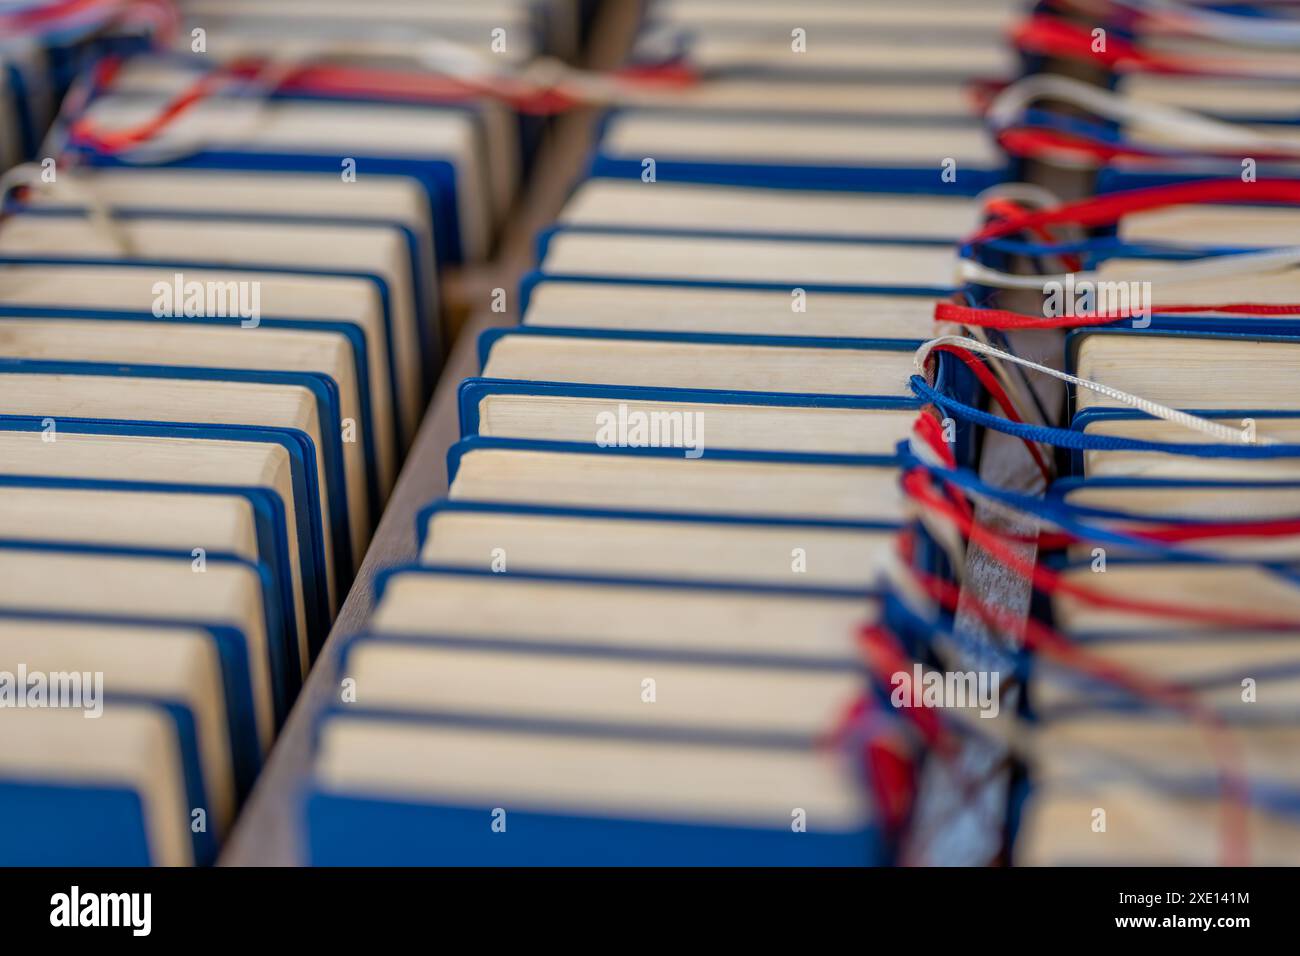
1183, 127
1225, 434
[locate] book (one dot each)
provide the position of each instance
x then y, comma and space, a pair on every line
655, 544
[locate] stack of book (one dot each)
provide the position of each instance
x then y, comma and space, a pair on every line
1167, 733
1213, 619
631, 636
220, 318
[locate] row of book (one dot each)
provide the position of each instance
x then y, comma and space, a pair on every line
1154, 720
1186, 756
631, 634
220, 319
